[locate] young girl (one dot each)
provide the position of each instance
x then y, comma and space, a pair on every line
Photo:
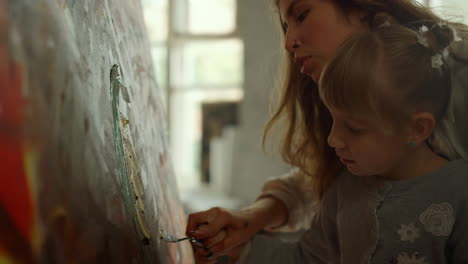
398, 202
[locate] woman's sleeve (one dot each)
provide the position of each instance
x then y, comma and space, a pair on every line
317, 245
295, 191
450, 137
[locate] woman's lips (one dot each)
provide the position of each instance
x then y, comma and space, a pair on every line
304, 63
308, 66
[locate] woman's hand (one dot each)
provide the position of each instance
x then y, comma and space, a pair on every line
225, 232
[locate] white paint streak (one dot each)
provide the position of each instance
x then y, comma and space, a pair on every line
50, 43
86, 6
99, 129
91, 39
116, 34
71, 28
144, 178
69, 22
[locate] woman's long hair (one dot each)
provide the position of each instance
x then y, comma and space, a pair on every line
308, 122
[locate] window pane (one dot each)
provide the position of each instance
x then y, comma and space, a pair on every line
156, 18
208, 63
211, 16
186, 130
159, 54
454, 10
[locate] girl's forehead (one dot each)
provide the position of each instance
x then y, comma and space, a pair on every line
364, 118
353, 116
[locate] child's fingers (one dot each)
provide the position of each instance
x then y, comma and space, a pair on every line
209, 223
231, 241
204, 256
236, 252
233, 253
197, 219
212, 241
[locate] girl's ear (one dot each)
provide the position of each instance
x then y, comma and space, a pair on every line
422, 126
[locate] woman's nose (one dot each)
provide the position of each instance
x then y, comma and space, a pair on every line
292, 43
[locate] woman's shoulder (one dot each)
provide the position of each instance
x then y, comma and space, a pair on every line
459, 58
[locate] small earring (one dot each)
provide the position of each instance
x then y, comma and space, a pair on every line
411, 144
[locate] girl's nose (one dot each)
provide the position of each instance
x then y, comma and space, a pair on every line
334, 140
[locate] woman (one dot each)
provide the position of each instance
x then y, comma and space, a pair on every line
314, 29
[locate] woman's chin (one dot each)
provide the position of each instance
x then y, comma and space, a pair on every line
314, 75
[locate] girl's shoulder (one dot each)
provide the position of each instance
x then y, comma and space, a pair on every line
348, 185
455, 174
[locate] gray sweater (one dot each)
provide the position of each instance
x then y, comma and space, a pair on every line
369, 220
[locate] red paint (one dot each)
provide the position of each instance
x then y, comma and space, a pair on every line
15, 194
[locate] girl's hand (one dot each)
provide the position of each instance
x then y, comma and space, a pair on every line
225, 232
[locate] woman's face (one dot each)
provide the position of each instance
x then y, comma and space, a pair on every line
314, 31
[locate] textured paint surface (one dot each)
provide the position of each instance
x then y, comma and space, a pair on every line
85, 172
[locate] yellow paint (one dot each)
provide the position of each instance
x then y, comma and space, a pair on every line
142, 225
31, 162
6, 260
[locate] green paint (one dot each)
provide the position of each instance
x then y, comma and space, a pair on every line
129, 172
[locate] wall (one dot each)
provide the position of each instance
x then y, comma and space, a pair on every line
86, 176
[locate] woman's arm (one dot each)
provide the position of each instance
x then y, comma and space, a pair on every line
295, 192
224, 231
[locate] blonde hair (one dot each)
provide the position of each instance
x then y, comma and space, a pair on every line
304, 143
389, 72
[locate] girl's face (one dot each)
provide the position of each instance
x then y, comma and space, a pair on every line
314, 31
365, 148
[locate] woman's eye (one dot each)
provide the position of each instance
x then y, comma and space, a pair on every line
302, 16
285, 27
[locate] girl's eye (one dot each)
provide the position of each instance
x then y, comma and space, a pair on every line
302, 16
354, 130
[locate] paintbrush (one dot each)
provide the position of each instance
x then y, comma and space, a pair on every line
164, 236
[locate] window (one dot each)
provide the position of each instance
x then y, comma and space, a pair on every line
454, 10
198, 58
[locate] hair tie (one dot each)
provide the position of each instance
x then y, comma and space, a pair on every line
438, 58
422, 39
384, 24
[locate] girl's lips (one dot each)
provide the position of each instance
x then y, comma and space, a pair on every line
346, 161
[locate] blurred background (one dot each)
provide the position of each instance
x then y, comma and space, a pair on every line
217, 64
